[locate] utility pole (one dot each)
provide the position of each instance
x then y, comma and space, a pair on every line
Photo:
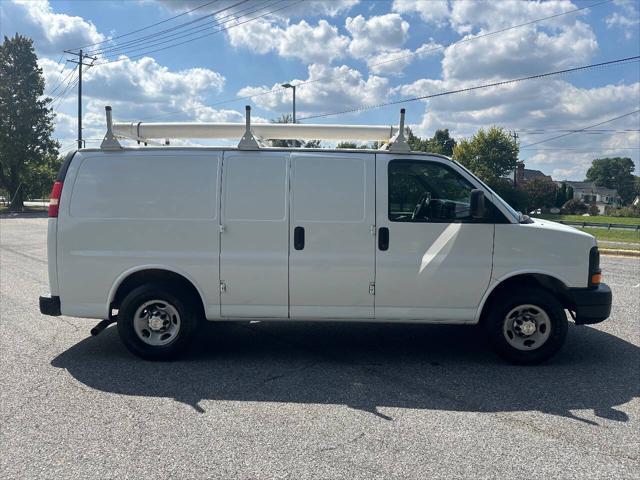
514, 135
80, 62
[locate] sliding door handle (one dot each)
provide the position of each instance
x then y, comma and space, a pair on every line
298, 238
383, 238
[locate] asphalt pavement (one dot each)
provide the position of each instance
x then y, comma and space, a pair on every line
286, 400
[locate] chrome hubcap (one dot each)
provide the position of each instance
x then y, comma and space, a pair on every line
526, 327
156, 322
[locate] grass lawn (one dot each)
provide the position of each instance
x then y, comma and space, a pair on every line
604, 235
594, 219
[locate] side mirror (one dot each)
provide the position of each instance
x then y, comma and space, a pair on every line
476, 205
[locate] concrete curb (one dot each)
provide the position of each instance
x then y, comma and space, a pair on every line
620, 253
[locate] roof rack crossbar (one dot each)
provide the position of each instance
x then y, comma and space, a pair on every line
393, 138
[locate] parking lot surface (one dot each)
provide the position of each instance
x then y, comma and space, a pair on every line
298, 401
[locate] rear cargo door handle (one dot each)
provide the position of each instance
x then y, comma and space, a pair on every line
383, 238
298, 238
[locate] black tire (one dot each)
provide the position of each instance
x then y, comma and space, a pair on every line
180, 301
506, 303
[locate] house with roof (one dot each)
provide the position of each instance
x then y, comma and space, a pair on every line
590, 193
524, 175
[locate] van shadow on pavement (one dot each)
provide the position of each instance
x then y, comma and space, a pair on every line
366, 366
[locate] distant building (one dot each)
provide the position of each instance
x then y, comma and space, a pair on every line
522, 175
589, 193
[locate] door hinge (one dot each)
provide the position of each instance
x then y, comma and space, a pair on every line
222, 228
372, 288
223, 287
372, 230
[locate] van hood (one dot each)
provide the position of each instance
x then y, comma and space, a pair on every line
559, 227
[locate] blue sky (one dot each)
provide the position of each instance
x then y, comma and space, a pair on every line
341, 46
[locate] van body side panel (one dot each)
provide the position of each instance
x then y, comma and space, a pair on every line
543, 247
333, 201
122, 211
431, 272
254, 243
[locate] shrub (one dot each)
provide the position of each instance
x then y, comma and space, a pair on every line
593, 210
632, 211
574, 207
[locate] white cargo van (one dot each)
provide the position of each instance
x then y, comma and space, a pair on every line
161, 238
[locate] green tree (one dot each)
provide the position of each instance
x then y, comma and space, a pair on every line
516, 197
288, 118
561, 195
541, 192
39, 176
490, 154
615, 173
26, 119
441, 143
353, 145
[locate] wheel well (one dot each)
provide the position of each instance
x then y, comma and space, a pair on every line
530, 280
174, 281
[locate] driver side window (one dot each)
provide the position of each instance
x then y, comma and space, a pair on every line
421, 191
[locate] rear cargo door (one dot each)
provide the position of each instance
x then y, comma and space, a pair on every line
254, 245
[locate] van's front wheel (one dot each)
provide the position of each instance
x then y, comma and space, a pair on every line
155, 323
527, 327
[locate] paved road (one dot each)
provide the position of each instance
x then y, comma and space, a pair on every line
312, 401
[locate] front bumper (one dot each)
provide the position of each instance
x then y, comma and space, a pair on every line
591, 305
50, 305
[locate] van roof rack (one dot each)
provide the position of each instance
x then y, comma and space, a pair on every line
251, 136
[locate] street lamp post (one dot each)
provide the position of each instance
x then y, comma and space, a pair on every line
293, 87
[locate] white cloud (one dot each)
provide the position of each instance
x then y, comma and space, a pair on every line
520, 52
51, 32
435, 11
467, 15
319, 44
393, 62
376, 34
329, 89
627, 18
144, 80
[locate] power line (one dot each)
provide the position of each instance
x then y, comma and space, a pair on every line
538, 131
203, 36
162, 34
477, 87
58, 63
580, 149
466, 40
63, 92
147, 27
154, 42
62, 82
581, 129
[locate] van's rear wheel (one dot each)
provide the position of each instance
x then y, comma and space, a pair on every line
527, 327
156, 323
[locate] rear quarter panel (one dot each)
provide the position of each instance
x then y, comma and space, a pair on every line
122, 211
